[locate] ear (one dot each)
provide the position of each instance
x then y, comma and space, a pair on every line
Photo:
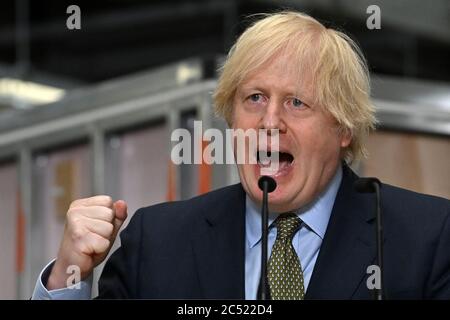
346, 137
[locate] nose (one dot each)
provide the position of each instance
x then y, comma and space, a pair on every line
273, 117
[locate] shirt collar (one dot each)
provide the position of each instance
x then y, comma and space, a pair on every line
315, 215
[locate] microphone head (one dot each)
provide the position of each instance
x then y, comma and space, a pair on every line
366, 185
271, 184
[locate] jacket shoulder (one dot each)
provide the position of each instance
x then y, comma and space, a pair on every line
409, 212
190, 209
413, 200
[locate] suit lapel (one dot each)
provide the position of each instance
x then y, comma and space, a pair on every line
348, 247
219, 246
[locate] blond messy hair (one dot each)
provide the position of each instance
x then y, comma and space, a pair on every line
339, 72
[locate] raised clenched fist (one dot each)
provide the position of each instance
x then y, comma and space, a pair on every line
91, 228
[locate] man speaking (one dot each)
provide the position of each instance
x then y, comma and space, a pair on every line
289, 73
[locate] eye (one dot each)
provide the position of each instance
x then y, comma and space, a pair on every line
256, 97
297, 103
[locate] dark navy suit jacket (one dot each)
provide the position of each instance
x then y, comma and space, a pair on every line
195, 249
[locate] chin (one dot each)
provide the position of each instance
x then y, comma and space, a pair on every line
282, 199
281, 202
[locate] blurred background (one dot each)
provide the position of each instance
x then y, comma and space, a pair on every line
90, 111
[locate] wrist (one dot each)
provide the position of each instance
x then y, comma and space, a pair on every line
57, 278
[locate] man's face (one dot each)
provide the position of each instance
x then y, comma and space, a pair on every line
309, 141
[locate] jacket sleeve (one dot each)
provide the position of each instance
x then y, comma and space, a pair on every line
439, 280
119, 279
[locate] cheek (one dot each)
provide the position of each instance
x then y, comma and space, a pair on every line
237, 116
318, 138
242, 120
330, 143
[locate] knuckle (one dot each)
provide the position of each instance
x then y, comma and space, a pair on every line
71, 214
74, 216
106, 243
110, 228
104, 200
107, 213
75, 203
110, 214
77, 234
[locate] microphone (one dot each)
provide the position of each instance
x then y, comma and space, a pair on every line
373, 185
267, 185
366, 185
269, 181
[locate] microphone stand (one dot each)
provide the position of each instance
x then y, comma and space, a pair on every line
264, 233
379, 237
372, 185
267, 185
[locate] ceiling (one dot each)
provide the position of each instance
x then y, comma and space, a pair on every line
120, 37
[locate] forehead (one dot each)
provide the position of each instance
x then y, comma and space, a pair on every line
283, 71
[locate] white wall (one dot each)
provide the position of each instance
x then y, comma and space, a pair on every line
8, 231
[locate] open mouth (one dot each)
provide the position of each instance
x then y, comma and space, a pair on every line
274, 161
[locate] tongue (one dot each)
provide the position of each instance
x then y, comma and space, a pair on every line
283, 163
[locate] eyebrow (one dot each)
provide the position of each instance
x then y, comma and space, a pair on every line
293, 93
251, 88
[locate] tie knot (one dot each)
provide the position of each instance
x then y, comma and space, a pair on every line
287, 225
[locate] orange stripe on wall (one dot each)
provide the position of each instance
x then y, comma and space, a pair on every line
20, 236
205, 172
171, 182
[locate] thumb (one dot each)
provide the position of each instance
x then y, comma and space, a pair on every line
120, 208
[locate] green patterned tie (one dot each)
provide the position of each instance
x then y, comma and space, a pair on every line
285, 272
